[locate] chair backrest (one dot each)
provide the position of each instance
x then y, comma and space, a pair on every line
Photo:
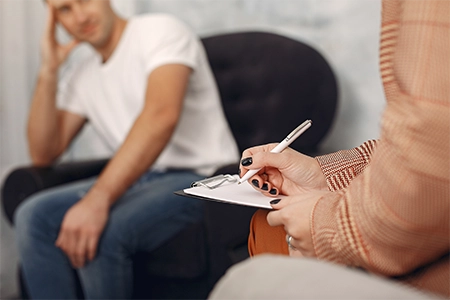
269, 84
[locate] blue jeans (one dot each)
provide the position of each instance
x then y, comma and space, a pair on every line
146, 216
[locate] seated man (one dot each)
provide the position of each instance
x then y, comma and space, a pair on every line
149, 92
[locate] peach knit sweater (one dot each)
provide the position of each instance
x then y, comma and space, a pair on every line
390, 206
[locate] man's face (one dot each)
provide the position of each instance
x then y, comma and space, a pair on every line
86, 20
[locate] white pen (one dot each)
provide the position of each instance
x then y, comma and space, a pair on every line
281, 146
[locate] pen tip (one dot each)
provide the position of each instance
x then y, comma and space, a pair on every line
239, 182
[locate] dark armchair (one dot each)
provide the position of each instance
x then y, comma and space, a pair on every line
268, 84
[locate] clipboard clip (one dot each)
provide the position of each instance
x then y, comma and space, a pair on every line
211, 183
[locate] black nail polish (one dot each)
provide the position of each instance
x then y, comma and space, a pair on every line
265, 187
275, 201
255, 183
247, 161
273, 191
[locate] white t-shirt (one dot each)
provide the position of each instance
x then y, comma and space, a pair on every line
111, 95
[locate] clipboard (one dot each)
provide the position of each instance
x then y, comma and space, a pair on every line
225, 188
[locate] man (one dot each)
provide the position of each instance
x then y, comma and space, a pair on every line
150, 94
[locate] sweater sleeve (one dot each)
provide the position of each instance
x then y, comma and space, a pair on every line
394, 217
341, 167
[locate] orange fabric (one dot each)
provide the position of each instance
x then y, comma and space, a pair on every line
393, 218
264, 238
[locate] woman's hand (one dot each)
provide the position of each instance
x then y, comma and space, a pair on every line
287, 173
294, 213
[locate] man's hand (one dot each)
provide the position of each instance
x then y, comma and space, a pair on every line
53, 54
294, 213
81, 229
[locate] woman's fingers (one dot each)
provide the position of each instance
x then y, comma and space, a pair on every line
293, 213
259, 160
247, 157
257, 149
298, 248
260, 183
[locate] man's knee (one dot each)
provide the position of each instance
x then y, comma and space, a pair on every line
38, 212
25, 214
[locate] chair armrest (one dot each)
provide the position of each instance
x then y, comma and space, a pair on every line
25, 181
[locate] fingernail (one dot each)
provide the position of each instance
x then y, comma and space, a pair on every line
273, 191
265, 187
255, 182
247, 161
275, 201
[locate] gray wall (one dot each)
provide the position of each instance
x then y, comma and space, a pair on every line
344, 31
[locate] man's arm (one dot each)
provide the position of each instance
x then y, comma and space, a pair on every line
152, 130
150, 133
50, 130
